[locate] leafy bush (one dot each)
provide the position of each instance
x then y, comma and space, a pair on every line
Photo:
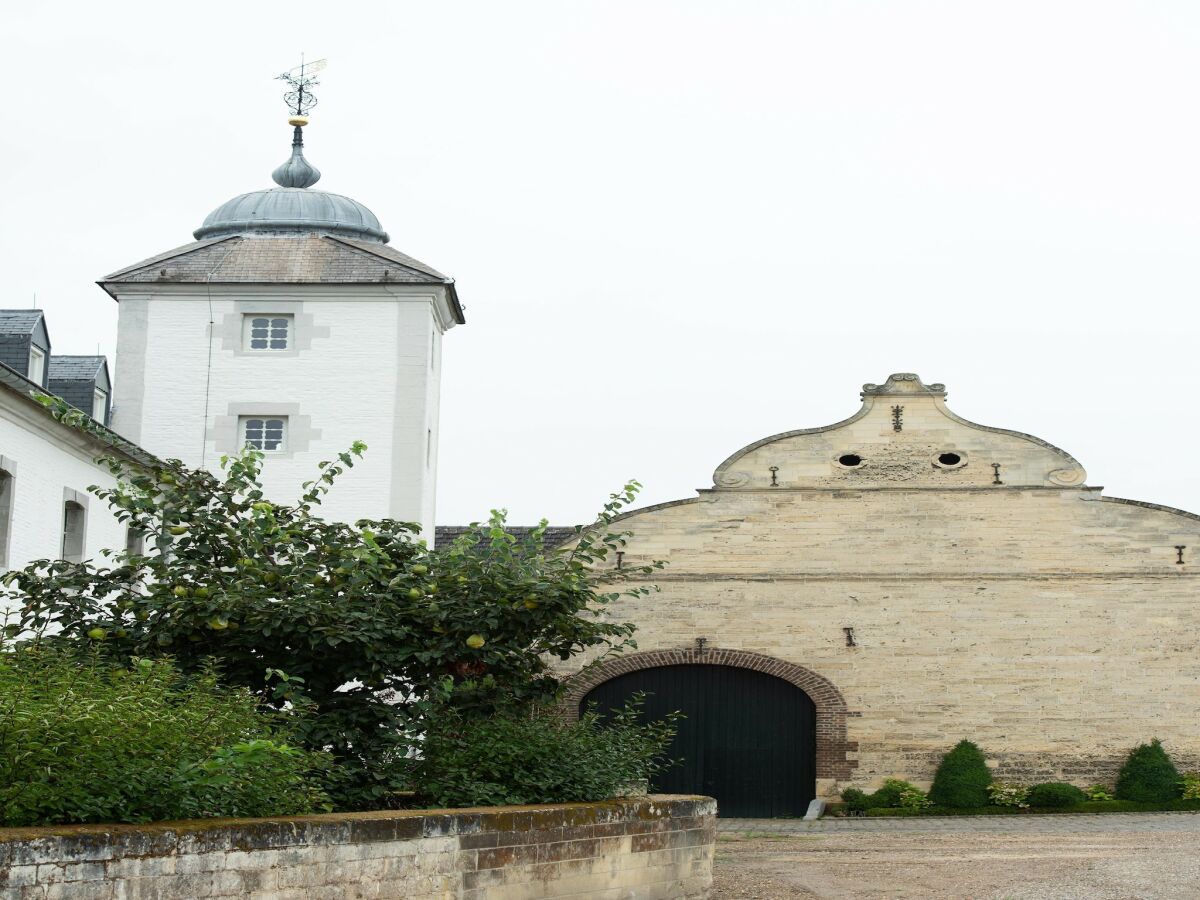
1098, 792
1148, 775
538, 758
1012, 795
1190, 786
362, 623
1055, 793
889, 796
914, 799
855, 800
85, 741
962, 778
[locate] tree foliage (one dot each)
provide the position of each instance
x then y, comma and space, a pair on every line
360, 624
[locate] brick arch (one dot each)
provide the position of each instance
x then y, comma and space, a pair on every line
833, 748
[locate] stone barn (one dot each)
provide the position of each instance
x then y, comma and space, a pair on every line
845, 603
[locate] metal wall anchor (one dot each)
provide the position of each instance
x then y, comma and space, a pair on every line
897, 418
1179, 548
849, 630
996, 474
774, 473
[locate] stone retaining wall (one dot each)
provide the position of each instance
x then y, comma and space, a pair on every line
654, 847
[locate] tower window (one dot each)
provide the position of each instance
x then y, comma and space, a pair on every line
74, 526
267, 332
266, 434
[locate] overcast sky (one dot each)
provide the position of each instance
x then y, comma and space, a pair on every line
678, 227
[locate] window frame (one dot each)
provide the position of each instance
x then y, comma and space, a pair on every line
8, 487
289, 332
100, 396
73, 509
37, 355
243, 432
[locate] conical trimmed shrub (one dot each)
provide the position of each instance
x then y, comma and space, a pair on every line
962, 778
1148, 775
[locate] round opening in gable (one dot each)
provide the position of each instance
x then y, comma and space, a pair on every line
850, 460
949, 459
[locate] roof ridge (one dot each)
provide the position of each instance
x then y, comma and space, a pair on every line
414, 265
183, 250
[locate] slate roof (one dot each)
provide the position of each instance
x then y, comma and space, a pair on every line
19, 321
555, 534
75, 368
274, 259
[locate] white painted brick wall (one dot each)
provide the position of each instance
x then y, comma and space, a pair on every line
369, 379
49, 458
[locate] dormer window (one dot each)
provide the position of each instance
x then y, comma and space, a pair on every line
37, 365
262, 433
267, 332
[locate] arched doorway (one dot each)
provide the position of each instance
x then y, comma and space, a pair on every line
747, 738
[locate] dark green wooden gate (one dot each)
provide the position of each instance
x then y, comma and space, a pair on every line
749, 739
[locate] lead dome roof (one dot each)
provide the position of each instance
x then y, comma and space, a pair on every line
283, 210
292, 207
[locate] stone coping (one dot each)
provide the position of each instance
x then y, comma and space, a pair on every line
389, 824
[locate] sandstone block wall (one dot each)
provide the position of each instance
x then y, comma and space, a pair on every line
1054, 626
656, 847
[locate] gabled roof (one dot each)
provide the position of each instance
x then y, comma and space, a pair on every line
82, 368
282, 259
19, 321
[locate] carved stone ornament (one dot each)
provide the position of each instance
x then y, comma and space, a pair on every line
903, 383
733, 479
1067, 477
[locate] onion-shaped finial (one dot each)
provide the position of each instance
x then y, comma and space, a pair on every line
297, 172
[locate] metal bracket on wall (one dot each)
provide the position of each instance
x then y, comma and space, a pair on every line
774, 470
996, 474
1179, 548
620, 559
850, 641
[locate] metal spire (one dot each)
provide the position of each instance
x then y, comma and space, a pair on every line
298, 172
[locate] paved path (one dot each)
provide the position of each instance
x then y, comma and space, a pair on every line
1048, 823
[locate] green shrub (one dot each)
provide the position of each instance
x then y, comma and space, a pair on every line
889, 796
85, 741
962, 778
538, 758
1148, 775
1055, 793
1098, 792
914, 799
855, 800
1011, 795
1190, 786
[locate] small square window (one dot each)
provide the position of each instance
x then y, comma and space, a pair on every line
267, 332
268, 434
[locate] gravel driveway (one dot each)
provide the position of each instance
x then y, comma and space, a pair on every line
1128, 857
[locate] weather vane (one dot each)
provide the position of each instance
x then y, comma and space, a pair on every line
298, 172
301, 80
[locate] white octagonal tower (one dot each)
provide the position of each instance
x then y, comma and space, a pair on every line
290, 325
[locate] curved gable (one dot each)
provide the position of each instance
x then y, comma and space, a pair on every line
903, 436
